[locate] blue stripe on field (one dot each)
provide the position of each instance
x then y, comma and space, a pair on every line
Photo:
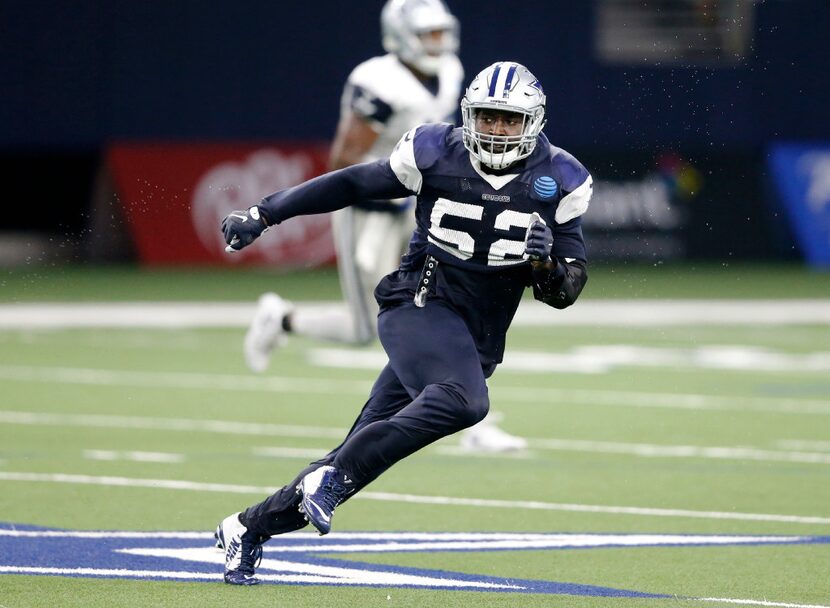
105, 553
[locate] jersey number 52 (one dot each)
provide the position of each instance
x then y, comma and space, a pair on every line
462, 244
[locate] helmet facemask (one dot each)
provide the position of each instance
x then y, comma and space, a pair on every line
503, 87
500, 151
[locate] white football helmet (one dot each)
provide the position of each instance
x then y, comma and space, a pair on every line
402, 22
509, 87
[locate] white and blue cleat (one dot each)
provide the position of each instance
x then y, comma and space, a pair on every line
323, 490
243, 552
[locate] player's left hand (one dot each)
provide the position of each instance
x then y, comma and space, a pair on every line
538, 242
241, 228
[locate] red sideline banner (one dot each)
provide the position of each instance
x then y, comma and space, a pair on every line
174, 197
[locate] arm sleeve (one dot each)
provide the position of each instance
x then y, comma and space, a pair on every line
333, 191
367, 105
560, 286
568, 241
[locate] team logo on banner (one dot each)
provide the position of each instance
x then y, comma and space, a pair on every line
174, 197
238, 185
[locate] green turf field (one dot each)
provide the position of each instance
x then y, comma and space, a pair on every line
706, 280
703, 429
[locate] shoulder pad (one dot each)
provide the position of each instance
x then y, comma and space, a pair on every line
569, 172
373, 75
576, 184
418, 150
431, 143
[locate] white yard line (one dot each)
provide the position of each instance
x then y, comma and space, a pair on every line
650, 450
804, 444
604, 358
102, 534
172, 484
621, 313
111, 572
331, 386
442, 540
110, 455
229, 427
181, 380
287, 452
226, 427
672, 401
582, 508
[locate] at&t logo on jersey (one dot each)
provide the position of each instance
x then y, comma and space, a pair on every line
545, 187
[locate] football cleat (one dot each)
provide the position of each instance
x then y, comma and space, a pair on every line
323, 490
243, 551
487, 437
266, 331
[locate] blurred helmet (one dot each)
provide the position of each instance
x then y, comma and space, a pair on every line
508, 87
404, 26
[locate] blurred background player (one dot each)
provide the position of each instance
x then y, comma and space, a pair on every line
418, 81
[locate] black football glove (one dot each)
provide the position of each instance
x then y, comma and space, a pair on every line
241, 228
538, 240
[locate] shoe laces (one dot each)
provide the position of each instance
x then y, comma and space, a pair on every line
251, 559
333, 494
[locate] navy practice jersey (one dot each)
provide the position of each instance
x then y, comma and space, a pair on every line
478, 220
474, 223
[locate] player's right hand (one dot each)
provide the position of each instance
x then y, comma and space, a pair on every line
241, 228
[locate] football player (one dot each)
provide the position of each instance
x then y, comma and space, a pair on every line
418, 81
498, 210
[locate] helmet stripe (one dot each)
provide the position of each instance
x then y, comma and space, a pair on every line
509, 80
493, 80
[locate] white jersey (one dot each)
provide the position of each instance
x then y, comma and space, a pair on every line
388, 95
370, 240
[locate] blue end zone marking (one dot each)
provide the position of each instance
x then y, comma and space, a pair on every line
520, 585
184, 557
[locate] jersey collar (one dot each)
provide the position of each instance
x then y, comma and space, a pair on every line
496, 181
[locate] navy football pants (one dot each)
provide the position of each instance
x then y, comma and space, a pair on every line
433, 386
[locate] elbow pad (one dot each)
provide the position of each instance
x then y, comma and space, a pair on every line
561, 286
